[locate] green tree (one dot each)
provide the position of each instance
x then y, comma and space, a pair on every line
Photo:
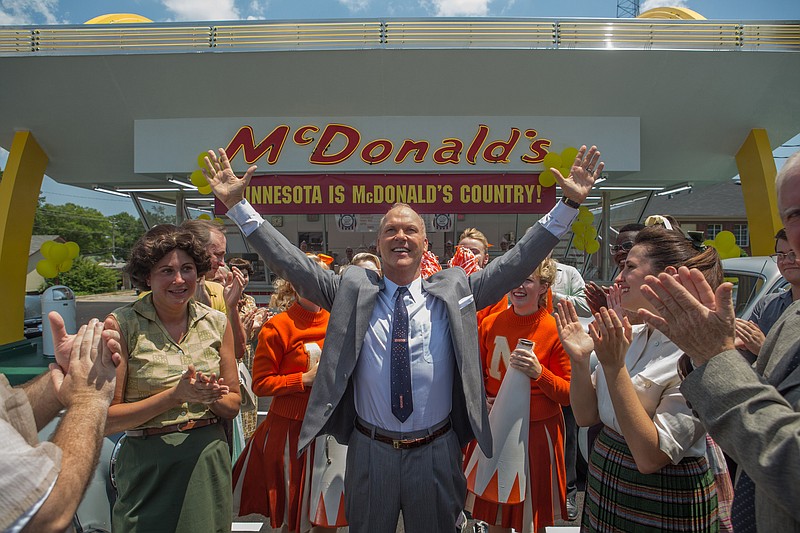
86, 226
126, 230
87, 277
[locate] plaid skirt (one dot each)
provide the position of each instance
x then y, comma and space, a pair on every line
678, 497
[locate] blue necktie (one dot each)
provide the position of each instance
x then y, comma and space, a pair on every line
402, 402
743, 508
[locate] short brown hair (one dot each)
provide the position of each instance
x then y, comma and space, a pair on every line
242, 264
203, 230
158, 242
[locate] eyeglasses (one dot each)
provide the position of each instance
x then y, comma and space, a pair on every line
624, 247
790, 256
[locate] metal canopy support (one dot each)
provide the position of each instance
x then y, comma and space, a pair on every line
757, 173
19, 191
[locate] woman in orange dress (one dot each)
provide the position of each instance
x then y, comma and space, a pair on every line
269, 477
548, 368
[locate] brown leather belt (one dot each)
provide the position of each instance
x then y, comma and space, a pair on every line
403, 444
172, 428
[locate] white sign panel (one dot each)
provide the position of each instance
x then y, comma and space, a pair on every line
327, 145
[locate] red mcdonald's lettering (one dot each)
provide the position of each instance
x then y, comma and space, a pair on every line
538, 148
352, 136
420, 149
477, 142
453, 149
506, 147
245, 140
384, 147
300, 138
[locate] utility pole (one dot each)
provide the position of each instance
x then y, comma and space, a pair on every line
627, 9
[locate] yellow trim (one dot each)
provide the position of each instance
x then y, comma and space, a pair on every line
757, 172
671, 13
22, 181
118, 18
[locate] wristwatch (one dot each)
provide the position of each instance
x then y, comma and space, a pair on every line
571, 203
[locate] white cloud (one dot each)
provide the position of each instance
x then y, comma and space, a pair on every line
257, 9
29, 12
202, 9
355, 5
652, 4
458, 8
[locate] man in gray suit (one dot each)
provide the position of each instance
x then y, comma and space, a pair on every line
400, 362
753, 413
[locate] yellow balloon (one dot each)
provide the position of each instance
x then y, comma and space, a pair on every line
585, 216
58, 252
709, 242
592, 246
546, 179
46, 268
204, 190
591, 232
579, 228
201, 159
65, 265
724, 240
73, 249
198, 179
579, 243
568, 155
219, 221
205, 216
45, 248
551, 160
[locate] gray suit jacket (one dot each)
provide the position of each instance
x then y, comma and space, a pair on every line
350, 298
755, 418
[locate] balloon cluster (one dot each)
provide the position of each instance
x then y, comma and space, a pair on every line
725, 243
216, 220
562, 162
585, 233
58, 257
197, 177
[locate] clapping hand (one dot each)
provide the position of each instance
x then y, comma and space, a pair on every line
612, 338
614, 300
576, 342
749, 336
699, 320
197, 387
234, 287
596, 296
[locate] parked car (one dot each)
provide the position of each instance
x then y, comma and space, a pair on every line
752, 278
33, 315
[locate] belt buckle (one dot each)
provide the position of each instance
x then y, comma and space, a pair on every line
396, 444
186, 425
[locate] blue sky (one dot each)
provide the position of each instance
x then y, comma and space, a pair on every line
79, 11
13, 12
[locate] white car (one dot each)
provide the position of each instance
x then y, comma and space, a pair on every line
752, 278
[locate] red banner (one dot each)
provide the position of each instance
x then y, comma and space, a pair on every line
374, 193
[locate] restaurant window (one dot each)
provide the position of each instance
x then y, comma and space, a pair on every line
740, 231
712, 230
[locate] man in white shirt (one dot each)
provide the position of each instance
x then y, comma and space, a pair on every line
400, 363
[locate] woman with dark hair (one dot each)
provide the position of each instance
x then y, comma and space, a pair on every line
176, 381
647, 469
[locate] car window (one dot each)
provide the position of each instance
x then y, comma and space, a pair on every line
745, 288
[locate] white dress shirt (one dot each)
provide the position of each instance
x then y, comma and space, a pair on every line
652, 363
430, 353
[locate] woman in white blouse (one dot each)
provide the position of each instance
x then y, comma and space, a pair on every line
647, 469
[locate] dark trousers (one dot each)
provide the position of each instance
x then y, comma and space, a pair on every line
570, 450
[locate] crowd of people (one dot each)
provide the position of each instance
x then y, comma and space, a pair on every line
389, 380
